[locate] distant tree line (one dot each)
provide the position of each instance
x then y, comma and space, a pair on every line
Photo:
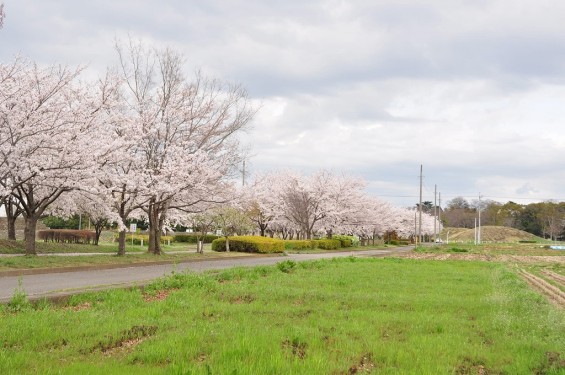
543, 219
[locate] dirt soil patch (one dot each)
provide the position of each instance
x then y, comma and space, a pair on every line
553, 293
159, 295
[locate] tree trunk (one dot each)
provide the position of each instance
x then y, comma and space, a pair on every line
156, 216
11, 222
227, 244
200, 246
157, 240
329, 234
12, 213
97, 233
29, 231
152, 224
122, 243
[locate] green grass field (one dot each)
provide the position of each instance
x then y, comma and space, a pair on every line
347, 316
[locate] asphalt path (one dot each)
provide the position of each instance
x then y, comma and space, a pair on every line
61, 284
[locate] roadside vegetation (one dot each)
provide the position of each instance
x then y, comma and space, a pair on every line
341, 316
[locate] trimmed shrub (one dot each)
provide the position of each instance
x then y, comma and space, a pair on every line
66, 235
299, 244
326, 244
193, 237
250, 244
347, 241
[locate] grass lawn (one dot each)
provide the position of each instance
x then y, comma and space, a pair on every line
175, 252
342, 316
18, 247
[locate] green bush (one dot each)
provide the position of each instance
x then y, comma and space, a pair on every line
326, 244
347, 241
250, 244
193, 237
299, 244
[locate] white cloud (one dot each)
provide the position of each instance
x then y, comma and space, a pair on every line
471, 89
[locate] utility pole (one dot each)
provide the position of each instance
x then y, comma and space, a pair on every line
475, 231
420, 209
479, 232
415, 228
435, 212
439, 214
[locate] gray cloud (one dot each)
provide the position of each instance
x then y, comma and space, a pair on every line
471, 89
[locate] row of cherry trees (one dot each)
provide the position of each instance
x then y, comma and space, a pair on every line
143, 140
291, 205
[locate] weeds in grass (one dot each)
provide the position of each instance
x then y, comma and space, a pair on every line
457, 250
296, 347
287, 266
19, 301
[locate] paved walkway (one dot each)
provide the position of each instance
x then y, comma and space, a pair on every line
60, 284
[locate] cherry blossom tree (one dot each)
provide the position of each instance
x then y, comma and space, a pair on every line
258, 201
231, 220
373, 220
185, 129
203, 222
100, 215
320, 202
49, 140
13, 211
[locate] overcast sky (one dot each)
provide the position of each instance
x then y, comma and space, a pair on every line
472, 89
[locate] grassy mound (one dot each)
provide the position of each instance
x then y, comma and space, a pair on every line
489, 234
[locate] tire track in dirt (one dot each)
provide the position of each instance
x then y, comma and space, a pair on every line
555, 295
560, 279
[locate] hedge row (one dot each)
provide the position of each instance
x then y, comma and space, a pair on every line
347, 241
328, 244
250, 244
324, 244
66, 235
299, 244
258, 244
193, 237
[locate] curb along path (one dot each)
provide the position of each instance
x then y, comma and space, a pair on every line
58, 284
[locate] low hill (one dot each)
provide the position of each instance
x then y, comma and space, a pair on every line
489, 234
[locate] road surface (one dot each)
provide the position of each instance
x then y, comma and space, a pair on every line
61, 284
